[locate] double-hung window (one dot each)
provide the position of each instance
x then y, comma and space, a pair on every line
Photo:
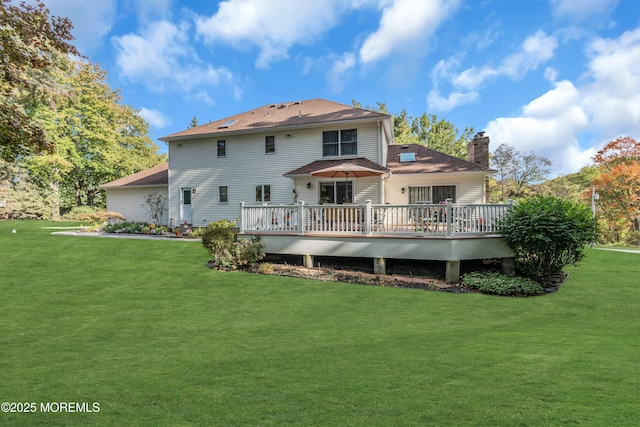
222, 148
270, 144
340, 143
263, 193
223, 194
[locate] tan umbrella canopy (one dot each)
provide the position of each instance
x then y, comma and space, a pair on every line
346, 170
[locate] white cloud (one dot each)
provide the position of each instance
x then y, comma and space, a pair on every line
548, 127
155, 118
149, 10
338, 73
92, 20
604, 107
613, 95
535, 50
405, 26
273, 26
161, 58
582, 9
455, 99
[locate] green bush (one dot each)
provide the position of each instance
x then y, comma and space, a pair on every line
229, 253
546, 234
500, 284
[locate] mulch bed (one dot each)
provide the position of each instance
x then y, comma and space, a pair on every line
410, 274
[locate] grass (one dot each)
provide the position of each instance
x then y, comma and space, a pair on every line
143, 328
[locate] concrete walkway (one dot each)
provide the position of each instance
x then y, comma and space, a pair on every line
629, 251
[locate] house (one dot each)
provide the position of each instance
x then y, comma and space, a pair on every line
316, 177
127, 195
316, 151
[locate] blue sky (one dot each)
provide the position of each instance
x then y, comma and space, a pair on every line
559, 78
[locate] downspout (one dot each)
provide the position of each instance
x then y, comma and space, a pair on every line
381, 160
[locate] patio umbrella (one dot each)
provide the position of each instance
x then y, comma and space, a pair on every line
346, 170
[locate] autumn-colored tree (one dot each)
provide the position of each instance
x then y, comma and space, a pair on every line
31, 46
619, 185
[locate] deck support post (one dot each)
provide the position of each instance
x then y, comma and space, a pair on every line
379, 266
452, 274
508, 266
307, 261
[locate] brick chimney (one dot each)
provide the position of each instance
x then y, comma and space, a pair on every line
478, 153
478, 150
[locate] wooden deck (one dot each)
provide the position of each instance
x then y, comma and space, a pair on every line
449, 233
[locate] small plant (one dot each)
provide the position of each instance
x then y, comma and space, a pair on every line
499, 284
220, 239
155, 204
124, 227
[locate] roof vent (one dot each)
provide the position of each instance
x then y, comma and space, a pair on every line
283, 106
404, 146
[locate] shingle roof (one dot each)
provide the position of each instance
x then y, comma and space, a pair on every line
157, 175
323, 164
428, 161
289, 114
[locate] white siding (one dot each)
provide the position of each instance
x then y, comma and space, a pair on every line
195, 164
469, 186
130, 202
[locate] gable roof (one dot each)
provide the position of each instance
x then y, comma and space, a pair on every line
324, 164
285, 115
155, 176
428, 161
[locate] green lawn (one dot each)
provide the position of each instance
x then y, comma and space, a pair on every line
147, 331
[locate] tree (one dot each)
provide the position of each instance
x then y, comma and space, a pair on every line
619, 185
194, 122
95, 138
31, 45
518, 170
20, 196
428, 130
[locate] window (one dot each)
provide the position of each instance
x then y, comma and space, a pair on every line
222, 148
223, 194
434, 194
263, 193
336, 192
270, 144
340, 143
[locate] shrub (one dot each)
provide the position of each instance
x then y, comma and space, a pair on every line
220, 239
546, 234
124, 227
499, 284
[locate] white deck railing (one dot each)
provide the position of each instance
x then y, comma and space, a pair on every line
417, 220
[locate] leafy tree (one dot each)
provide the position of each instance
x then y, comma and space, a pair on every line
31, 46
95, 138
428, 130
619, 185
21, 197
546, 234
517, 171
575, 186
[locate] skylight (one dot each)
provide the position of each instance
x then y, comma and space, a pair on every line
227, 124
407, 157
